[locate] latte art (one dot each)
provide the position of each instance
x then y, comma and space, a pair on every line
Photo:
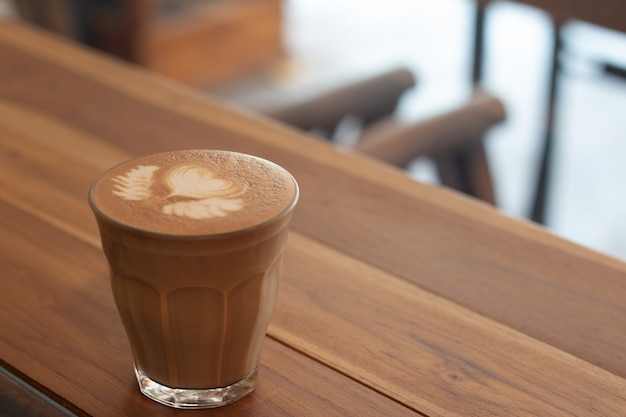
135, 184
197, 181
205, 195
203, 209
194, 192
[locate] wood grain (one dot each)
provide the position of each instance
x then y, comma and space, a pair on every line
433, 356
59, 282
511, 271
426, 357
397, 298
425, 351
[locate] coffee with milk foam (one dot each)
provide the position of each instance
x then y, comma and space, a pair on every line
194, 240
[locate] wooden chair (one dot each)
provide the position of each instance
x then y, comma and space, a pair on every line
454, 139
370, 100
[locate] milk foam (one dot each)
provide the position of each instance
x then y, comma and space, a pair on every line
194, 192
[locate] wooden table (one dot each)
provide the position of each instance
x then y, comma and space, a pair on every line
398, 299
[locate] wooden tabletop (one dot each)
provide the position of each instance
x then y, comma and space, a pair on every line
397, 299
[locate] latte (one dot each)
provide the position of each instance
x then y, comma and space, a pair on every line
194, 240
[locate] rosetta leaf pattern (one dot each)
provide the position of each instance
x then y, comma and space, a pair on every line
135, 184
203, 209
203, 195
197, 181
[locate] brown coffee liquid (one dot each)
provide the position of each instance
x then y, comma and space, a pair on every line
194, 241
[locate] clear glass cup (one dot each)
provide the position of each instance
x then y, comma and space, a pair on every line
194, 241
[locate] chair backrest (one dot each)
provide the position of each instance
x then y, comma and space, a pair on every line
369, 100
452, 139
398, 143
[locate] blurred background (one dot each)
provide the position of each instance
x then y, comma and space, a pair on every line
258, 53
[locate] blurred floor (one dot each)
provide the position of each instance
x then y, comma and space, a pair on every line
331, 41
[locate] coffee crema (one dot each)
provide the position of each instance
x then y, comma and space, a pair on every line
194, 192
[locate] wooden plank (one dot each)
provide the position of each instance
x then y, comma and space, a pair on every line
505, 269
419, 349
429, 353
61, 329
37, 152
425, 351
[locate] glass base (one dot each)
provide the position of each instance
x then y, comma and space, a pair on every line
196, 398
